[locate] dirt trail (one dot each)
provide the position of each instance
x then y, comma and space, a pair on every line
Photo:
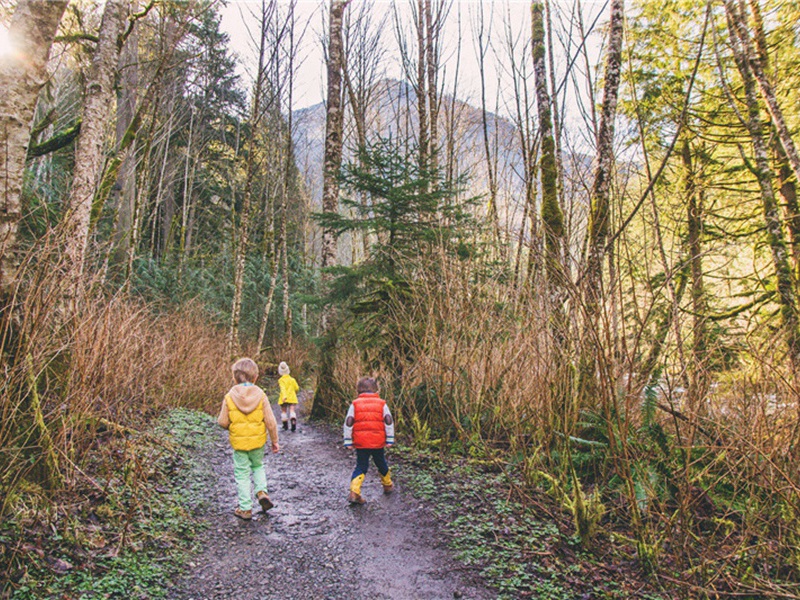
313, 544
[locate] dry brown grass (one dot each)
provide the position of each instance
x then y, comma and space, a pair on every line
102, 363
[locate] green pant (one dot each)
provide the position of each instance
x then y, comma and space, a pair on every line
245, 461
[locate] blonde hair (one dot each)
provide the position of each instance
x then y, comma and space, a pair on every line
245, 370
367, 385
283, 368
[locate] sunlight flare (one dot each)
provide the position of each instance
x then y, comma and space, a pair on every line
6, 47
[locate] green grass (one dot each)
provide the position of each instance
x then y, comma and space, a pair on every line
517, 550
155, 507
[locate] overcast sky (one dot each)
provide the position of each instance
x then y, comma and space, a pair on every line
462, 23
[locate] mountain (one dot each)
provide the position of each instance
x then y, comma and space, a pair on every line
394, 113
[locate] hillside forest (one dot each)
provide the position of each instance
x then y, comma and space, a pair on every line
587, 271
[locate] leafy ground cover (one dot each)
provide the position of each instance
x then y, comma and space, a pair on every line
124, 530
516, 539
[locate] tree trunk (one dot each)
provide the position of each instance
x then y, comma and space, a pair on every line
126, 110
323, 406
552, 215
333, 130
22, 74
491, 165
698, 372
763, 173
422, 96
250, 170
98, 98
599, 211
432, 64
738, 28
287, 189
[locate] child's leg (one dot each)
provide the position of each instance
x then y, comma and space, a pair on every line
241, 473
379, 457
257, 465
284, 416
293, 416
362, 465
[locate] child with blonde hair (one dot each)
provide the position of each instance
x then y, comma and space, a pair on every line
287, 399
247, 415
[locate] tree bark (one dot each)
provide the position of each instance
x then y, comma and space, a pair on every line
763, 173
698, 371
422, 96
323, 406
599, 211
250, 170
738, 28
552, 215
333, 131
126, 110
98, 98
22, 75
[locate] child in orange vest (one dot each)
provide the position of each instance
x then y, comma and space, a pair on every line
247, 415
369, 428
287, 399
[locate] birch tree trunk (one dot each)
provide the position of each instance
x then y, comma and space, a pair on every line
432, 63
97, 105
333, 131
600, 209
422, 96
22, 74
323, 397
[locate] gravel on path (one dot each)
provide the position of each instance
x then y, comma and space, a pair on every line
313, 544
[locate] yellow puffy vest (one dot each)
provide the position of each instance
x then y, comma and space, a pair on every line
247, 431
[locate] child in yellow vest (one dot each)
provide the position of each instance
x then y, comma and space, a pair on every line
247, 415
288, 397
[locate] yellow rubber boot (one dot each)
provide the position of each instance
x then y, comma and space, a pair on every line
386, 481
355, 490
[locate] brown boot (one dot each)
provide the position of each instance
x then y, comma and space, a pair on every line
354, 498
245, 515
264, 501
387, 489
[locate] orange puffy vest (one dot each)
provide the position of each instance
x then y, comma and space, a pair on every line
369, 431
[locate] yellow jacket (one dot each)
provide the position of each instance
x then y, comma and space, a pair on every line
289, 390
247, 416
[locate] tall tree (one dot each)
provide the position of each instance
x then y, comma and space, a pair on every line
323, 400
762, 171
250, 167
97, 104
600, 209
126, 110
552, 215
23, 73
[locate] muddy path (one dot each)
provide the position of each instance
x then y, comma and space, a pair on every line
313, 544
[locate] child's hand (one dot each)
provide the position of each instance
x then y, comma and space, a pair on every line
275, 448
389, 445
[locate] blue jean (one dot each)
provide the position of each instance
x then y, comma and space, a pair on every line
362, 461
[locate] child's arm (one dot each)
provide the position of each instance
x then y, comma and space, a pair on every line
224, 418
388, 424
272, 425
347, 430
